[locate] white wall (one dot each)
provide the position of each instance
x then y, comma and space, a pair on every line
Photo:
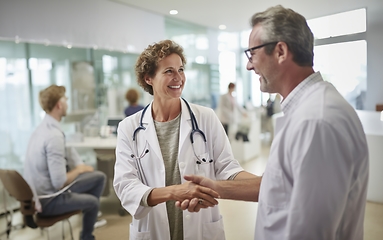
82, 23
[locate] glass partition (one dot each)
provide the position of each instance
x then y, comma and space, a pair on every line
15, 105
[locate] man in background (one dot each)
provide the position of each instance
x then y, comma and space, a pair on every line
49, 168
315, 182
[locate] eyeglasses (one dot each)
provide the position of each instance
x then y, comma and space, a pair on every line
248, 51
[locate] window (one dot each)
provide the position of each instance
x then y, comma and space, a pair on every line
336, 38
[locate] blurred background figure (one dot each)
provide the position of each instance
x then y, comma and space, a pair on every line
272, 110
132, 96
227, 108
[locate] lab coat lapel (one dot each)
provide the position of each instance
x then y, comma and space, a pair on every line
185, 127
150, 134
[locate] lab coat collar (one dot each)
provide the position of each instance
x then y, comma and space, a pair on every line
148, 123
185, 125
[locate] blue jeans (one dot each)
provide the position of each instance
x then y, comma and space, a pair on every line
84, 195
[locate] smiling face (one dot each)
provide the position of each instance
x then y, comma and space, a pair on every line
262, 64
169, 79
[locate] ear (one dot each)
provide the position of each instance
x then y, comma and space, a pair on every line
281, 51
148, 80
58, 104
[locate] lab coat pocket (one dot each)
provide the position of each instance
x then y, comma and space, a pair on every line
273, 180
213, 230
136, 235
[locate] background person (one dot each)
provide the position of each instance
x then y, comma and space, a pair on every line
149, 171
227, 108
49, 167
315, 182
132, 96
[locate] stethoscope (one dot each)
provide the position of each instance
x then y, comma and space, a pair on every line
195, 130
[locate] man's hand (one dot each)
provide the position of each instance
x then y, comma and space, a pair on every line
83, 168
73, 174
203, 181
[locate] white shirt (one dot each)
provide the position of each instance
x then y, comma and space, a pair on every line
315, 182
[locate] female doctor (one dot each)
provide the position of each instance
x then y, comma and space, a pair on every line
168, 139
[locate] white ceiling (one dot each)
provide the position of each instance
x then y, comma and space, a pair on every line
235, 14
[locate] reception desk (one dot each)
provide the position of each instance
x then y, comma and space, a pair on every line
105, 152
373, 128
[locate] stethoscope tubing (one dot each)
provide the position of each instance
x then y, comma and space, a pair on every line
195, 129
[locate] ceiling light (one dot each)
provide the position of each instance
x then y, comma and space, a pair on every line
222, 27
173, 12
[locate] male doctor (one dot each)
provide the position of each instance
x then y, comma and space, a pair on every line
314, 185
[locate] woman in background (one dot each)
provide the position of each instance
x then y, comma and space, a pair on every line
132, 96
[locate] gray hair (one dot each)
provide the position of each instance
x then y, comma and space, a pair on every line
285, 25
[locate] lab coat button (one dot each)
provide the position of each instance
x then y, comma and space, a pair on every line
182, 165
187, 217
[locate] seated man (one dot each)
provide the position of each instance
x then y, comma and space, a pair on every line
49, 168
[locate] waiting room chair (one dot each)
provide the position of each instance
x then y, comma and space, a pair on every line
18, 188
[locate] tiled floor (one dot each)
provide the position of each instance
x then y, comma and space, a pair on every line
239, 217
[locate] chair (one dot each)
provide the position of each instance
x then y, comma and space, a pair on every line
18, 188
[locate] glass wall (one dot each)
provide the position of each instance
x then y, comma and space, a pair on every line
96, 81
89, 75
15, 106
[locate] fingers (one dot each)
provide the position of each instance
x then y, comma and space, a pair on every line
209, 200
193, 205
196, 205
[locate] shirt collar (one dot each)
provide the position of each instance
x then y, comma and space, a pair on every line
52, 121
291, 100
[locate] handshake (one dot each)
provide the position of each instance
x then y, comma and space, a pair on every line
200, 192
203, 192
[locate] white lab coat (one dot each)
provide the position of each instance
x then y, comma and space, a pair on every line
315, 182
152, 222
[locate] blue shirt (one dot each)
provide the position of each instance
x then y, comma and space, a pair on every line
46, 158
132, 110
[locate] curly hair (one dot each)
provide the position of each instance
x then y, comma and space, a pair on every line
147, 62
49, 96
